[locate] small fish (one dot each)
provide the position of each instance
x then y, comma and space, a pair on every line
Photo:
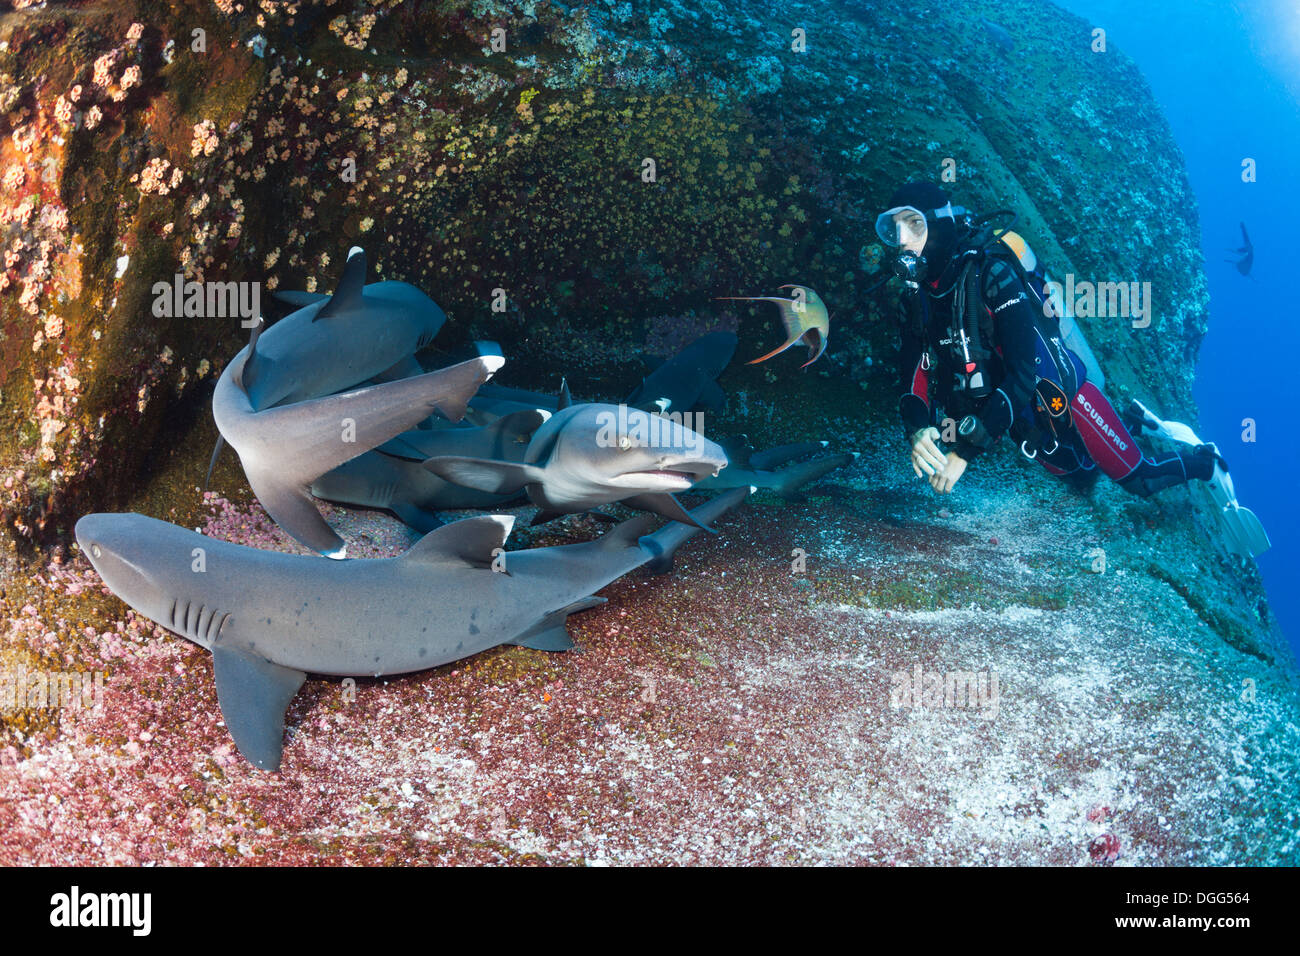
805, 317
1247, 253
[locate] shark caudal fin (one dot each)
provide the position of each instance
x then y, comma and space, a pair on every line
660, 547
347, 295
253, 694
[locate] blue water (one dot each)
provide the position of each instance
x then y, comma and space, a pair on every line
1227, 76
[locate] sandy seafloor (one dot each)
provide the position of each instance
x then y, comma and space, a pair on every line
730, 712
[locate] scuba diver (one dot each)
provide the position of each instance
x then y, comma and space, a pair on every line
982, 344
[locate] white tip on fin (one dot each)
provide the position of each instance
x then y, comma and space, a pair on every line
355, 251
338, 555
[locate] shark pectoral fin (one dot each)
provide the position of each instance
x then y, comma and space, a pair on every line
416, 517
543, 516
292, 509
253, 694
551, 633
485, 474
712, 396
475, 541
347, 295
790, 480
402, 369
770, 458
299, 299
667, 505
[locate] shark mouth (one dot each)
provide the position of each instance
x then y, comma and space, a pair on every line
668, 479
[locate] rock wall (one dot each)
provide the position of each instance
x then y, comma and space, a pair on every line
257, 142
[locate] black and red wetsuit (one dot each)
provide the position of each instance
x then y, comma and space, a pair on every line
1026, 359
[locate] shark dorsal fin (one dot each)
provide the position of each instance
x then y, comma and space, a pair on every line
347, 296
565, 399
470, 541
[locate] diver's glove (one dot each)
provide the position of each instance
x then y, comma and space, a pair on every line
927, 457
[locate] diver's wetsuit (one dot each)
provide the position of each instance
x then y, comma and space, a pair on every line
1027, 359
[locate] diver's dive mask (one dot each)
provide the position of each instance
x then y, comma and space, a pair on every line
907, 225
912, 226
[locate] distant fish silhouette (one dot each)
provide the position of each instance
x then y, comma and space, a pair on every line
1247, 253
999, 34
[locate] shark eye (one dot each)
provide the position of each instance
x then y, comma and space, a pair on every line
94, 550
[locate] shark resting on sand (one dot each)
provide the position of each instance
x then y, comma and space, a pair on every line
285, 448
270, 618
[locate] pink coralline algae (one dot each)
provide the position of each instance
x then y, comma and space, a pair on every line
1104, 849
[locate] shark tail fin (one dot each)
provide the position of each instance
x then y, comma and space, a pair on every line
661, 546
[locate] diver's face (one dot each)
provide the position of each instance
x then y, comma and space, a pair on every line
912, 230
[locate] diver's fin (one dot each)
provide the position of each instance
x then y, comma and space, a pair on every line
212, 462
663, 503
485, 474
293, 510
413, 516
253, 694
299, 299
347, 295
551, 633
469, 541
1242, 530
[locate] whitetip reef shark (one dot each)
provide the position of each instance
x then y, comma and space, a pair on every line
687, 379
594, 454
285, 448
270, 619
393, 475
335, 342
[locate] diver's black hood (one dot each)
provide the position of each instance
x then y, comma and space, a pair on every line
941, 238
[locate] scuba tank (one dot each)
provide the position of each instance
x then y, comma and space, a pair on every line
1039, 281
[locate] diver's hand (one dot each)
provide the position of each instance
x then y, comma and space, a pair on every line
927, 459
943, 481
